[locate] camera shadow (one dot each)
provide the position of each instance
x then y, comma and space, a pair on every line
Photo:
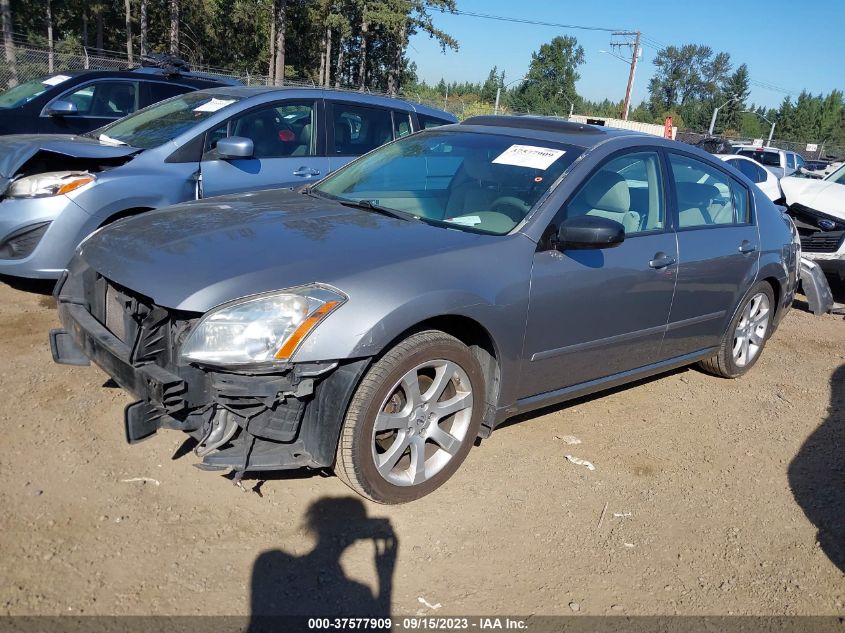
817, 475
314, 584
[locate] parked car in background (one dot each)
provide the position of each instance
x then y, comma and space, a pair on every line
75, 102
380, 321
55, 190
818, 209
778, 161
763, 178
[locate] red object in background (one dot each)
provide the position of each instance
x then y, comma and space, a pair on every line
286, 136
667, 127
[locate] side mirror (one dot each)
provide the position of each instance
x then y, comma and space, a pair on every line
235, 147
589, 231
62, 108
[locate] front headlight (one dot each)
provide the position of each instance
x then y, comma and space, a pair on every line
49, 184
260, 329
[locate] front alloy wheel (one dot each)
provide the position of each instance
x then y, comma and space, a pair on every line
412, 419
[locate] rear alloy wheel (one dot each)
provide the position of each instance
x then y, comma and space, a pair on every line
747, 334
412, 419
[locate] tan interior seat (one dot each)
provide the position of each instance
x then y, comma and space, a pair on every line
694, 203
606, 195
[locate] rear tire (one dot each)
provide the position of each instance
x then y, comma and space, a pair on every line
743, 342
427, 396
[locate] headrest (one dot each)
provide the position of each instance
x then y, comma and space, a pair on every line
694, 194
608, 191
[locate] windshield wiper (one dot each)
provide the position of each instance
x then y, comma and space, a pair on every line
369, 205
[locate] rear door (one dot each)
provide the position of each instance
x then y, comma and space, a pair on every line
595, 313
289, 149
718, 253
97, 103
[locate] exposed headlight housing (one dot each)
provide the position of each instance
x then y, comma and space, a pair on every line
261, 329
53, 183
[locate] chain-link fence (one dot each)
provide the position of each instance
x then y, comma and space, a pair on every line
32, 62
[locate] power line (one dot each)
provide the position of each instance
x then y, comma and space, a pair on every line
503, 18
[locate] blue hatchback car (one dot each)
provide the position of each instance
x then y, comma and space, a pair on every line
57, 189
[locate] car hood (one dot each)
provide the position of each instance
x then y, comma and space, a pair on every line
17, 149
821, 195
197, 255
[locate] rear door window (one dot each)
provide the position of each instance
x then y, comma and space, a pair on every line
706, 196
427, 122
359, 129
153, 92
790, 161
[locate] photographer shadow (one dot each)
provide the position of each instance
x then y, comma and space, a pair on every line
817, 475
314, 584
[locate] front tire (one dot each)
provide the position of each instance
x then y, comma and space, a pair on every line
746, 336
412, 420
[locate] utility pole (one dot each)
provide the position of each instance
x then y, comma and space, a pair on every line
636, 51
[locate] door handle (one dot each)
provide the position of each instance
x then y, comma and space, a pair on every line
661, 260
747, 247
306, 172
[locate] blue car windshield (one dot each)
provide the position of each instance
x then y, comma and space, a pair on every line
471, 181
159, 123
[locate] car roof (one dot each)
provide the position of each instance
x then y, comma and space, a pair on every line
246, 92
194, 78
757, 148
552, 128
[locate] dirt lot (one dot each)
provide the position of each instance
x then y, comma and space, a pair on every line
721, 497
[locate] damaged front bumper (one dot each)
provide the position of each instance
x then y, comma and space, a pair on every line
822, 238
265, 420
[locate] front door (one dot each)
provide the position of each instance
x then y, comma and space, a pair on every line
287, 150
594, 313
719, 250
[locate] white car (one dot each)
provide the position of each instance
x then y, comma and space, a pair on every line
818, 208
763, 178
780, 162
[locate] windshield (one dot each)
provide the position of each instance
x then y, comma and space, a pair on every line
165, 120
764, 158
24, 93
476, 182
838, 176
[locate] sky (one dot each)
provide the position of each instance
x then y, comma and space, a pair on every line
788, 46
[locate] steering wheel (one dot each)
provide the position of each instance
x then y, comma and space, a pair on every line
506, 203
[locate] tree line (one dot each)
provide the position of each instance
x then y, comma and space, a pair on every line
689, 82
333, 43
364, 44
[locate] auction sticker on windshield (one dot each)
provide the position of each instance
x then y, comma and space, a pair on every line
214, 105
55, 80
529, 156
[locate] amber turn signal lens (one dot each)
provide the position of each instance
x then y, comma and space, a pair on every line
287, 350
73, 184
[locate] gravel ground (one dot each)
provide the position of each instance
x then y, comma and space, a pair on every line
708, 496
